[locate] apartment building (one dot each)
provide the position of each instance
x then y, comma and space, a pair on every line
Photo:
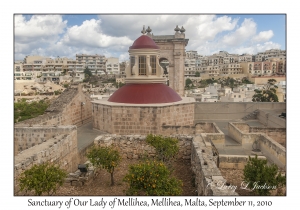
263, 68
123, 66
95, 63
192, 63
271, 54
246, 58
113, 66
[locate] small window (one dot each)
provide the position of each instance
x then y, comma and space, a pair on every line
153, 64
142, 65
132, 62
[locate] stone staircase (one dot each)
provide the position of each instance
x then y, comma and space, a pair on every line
251, 116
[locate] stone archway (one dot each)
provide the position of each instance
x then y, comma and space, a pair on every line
172, 48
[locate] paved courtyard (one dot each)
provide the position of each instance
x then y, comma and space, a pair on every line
86, 135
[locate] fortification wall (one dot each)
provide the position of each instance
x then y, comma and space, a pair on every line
270, 120
230, 110
208, 176
235, 161
27, 137
274, 152
72, 107
277, 134
59, 148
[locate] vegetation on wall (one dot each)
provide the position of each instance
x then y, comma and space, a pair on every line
43, 178
24, 110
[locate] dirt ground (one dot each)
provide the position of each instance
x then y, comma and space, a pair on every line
100, 186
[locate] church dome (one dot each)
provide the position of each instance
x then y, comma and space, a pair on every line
151, 93
144, 41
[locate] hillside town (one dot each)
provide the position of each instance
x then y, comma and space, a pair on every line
57, 73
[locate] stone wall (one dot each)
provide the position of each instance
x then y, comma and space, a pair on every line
60, 148
274, 152
72, 107
245, 128
235, 161
269, 120
245, 139
264, 80
277, 134
27, 137
208, 176
135, 146
231, 110
129, 119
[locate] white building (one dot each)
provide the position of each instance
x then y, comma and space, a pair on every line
113, 66
209, 97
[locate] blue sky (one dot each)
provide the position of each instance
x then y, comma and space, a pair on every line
54, 35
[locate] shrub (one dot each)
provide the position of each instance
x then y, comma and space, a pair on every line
105, 157
166, 147
262, 178
43, 178
152, 178
24, 110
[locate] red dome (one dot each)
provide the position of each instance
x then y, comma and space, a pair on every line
151, 93
144, 41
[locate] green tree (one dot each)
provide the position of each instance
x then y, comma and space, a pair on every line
258, 173
24, 110
166, 147
188, 83
105, 157
246, 81
197, 74
43, 178
87, 72
268, 94
152, 178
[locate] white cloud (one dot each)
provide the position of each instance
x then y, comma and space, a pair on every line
124, 57
90, 34
38, 28
112, 35
242, 34
263, 36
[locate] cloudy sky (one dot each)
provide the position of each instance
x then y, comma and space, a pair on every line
111, 35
